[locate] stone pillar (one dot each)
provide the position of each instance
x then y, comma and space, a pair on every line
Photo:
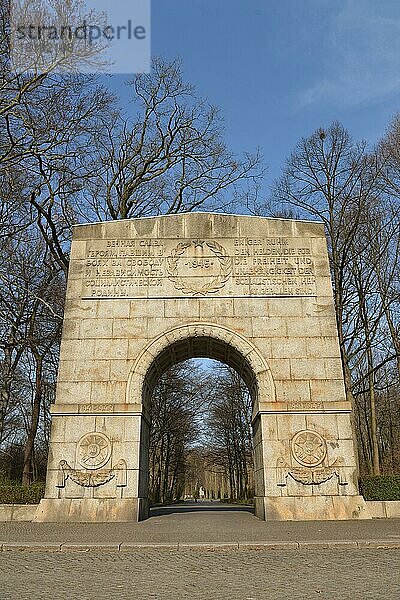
94, 472
308, 467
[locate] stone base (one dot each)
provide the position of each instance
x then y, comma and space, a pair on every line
311, 508
89, 510
384, 509
17, 512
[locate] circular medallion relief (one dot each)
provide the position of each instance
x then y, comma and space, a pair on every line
199, 267
94, 450
308, 448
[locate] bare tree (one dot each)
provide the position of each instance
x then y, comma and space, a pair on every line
31, 302
340, 182
169, 158
229, 433
330, 177
176, 404
68, 154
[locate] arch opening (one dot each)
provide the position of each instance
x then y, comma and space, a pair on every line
200, 447
202, 340
175, 347
198, 347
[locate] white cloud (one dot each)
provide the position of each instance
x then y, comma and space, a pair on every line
361, 60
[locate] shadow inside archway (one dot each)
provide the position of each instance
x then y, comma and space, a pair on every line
202, 506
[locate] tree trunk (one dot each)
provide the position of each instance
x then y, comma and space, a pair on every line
372, 403
27, 472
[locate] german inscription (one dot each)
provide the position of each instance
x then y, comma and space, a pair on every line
230, 267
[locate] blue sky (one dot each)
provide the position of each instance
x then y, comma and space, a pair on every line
279, 69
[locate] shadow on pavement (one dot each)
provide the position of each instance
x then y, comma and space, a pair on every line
157, 511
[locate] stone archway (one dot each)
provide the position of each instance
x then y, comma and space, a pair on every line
203, 340
197, 340
252, 291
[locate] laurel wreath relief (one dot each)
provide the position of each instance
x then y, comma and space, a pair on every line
209, 287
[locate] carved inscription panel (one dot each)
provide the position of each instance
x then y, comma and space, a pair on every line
227, 267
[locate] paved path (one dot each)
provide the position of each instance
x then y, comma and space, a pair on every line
194, 575
210, 523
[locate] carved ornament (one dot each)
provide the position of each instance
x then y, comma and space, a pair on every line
94, 450
92, 478
308, 448
212, 283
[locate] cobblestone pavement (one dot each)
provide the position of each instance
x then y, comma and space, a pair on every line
140, 573
234, 575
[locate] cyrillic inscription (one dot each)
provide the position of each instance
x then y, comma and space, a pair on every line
230, 267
